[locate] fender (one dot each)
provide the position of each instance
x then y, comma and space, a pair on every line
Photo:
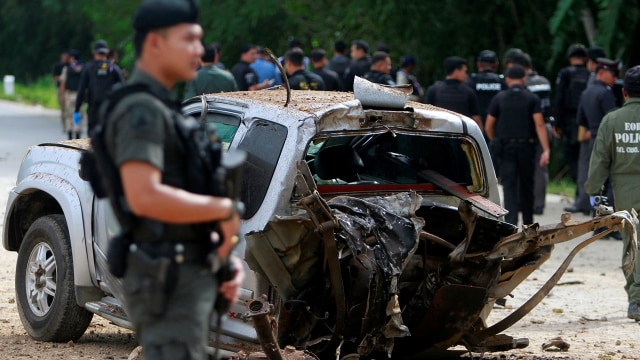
67, 197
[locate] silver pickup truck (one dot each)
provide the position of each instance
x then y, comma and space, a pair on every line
372, 226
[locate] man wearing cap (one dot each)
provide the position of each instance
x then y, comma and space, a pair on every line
596, 101
507, 58
405, 76
616, 156
570, 83
593, 53
515, 120
451, 93
486, 82
98, 77
170, 308
210, 78
69, 85
332, 81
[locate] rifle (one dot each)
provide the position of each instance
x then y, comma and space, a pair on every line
230, 174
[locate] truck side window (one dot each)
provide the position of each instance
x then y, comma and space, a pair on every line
226, 126
263, 143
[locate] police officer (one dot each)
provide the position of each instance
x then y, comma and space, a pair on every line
380, 70
541, 87
170, 310
332, 81
246, 77
596, 101
98, 77
451, 93
486, 82
593, 54
616, 155
299, 77
405, 76
515, 120
340, 61
570, 83
507, 58
69, 85
360, 63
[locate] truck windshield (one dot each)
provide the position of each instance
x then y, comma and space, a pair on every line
392, 161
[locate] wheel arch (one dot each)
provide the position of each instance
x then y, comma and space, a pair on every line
43, 194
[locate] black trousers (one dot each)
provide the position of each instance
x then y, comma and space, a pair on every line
517, 167
92, 115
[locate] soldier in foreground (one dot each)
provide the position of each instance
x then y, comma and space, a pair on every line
169, 288
616, 156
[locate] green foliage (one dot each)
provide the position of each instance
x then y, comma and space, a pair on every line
429, 29
614, 27
34, 32
40, 92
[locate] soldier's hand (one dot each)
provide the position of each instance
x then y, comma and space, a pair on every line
231, 289
544, 158
229, 229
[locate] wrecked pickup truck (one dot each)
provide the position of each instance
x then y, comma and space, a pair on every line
372, 226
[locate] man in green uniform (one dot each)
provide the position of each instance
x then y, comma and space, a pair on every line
170, 310
616, 154
210, 78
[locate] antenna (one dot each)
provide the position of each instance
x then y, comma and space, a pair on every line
282, 72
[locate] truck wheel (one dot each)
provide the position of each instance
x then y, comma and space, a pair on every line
45, 289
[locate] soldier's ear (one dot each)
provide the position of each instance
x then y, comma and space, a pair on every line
155, 40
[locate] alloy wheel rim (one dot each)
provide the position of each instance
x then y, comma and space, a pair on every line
41, 279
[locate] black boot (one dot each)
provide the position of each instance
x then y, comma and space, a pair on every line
78, 135
69, 135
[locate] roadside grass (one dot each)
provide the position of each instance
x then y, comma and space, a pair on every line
41, 92
563, 187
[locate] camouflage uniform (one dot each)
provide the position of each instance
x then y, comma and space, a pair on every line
210, 79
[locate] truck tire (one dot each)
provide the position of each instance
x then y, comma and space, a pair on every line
45, 289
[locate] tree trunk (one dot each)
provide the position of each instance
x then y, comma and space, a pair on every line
589, 26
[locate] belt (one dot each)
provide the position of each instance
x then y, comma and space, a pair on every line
520, 140
177, 251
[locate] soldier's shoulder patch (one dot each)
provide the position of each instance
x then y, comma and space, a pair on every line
141, 119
